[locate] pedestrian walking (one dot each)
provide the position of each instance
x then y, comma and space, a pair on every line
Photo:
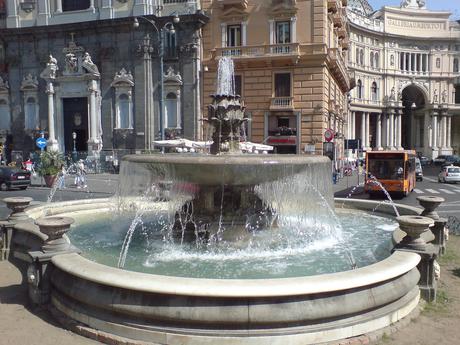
61, 177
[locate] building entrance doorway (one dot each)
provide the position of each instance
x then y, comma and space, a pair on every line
412, 100
75, 121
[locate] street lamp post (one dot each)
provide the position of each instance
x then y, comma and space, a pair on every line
74, 152
169, 26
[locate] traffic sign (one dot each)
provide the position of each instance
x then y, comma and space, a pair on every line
41, 143
328, 134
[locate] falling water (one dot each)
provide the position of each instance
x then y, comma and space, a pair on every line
225, 77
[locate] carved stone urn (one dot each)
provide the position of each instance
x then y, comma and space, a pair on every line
430, 204
55, 228
414, 227
17, 205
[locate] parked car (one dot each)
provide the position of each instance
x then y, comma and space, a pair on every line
441, 159
13, 178
424, 160
449, 173
418, 170
451, 160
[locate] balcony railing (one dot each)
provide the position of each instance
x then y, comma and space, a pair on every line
259, 51
282, 103
238, 3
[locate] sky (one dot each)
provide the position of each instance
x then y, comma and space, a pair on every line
449, 5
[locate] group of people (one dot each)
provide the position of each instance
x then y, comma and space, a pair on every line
80, 175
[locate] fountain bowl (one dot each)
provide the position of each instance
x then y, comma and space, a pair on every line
177, 310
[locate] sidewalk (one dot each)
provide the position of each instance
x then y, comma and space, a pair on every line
96, 183
345, 185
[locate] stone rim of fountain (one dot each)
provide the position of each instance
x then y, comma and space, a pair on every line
17, 205
414, 227
430, 203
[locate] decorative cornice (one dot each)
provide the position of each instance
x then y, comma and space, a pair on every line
123, 78
172, 78
29, 83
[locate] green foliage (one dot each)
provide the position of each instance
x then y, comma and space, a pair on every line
440, 306
50, 163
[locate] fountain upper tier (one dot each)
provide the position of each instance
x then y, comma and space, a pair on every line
236, 170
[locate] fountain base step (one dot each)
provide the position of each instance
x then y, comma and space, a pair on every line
126, 331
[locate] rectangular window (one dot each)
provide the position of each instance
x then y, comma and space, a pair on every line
283, 32
233, 35
75, 5
283, 85
238, 85
170, 45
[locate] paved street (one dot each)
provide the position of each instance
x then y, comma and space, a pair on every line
105, 185
429, 186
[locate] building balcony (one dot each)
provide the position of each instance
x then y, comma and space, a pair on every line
345, 43
273, 51
282, 103
336, 64
237, 3
171, 7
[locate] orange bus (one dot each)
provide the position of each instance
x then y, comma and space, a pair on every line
395, 170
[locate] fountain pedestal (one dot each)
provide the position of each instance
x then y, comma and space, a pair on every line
415, 227
40, 269
17, 205
430, 203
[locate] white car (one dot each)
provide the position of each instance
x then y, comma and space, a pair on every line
449, 173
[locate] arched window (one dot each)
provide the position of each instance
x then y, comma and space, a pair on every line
5, 119
374, 91
359, 89
171, 111
361, 57
124, 112
31, 114
456, 65
377, 60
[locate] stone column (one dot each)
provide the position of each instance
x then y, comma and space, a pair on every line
12, 10
271, 23
443, 131
391, 136
58, 6
52, 142
384, 129
93, 140
353, 125
434, 129
363, 130
399, 130
43, 12
449, 132
244, 26
378, 137
410, 62
294, 30
367, 129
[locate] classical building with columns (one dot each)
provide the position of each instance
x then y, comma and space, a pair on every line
290, 59
85, 75
405, 62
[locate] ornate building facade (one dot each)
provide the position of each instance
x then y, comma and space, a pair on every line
405, 62
85, 75
290, 58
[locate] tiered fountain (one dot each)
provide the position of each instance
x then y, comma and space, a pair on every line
236, 249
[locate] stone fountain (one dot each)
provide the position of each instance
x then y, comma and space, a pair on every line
225, 205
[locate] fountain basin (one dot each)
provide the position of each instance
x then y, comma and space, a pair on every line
175, 310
